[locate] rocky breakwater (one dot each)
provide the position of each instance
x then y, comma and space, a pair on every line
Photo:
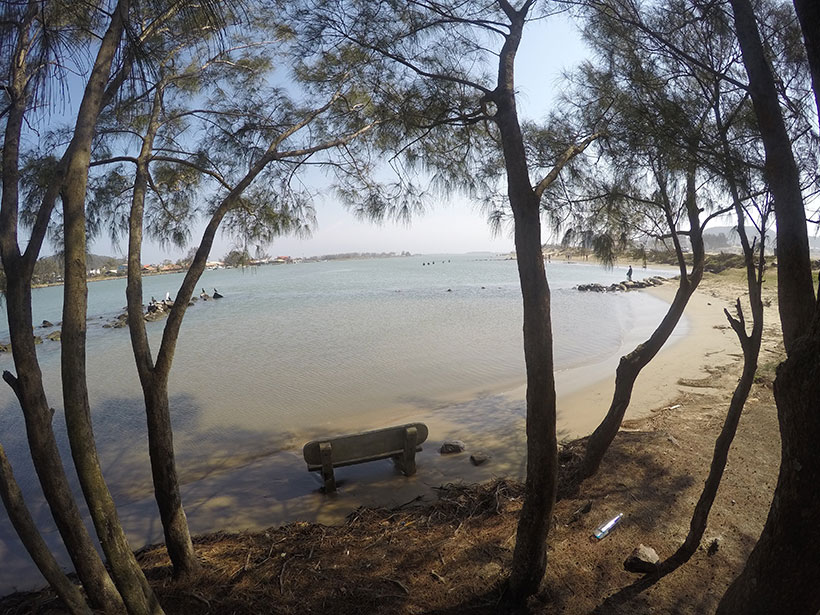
624, 286
54, 336
156, 310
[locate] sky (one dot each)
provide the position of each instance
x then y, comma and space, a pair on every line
549, 47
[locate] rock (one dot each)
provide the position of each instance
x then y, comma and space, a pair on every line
54, 336
47, 324
155, 315
478, 458
452, 446
5, 347
642, 560
38, 339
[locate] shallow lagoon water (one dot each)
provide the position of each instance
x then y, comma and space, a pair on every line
292, 351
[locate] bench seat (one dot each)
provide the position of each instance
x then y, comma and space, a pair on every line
401, 443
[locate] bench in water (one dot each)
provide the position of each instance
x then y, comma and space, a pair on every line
401, 443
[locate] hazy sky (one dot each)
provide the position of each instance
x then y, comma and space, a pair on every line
549, 46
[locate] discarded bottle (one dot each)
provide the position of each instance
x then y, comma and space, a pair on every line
605, 528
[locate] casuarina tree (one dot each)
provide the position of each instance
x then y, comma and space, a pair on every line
447, 70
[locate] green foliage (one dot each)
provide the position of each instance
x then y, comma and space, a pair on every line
424, 70
237, 258
666, 87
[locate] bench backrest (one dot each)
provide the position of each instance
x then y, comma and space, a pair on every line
364, 446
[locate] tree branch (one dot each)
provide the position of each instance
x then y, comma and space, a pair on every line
569, 154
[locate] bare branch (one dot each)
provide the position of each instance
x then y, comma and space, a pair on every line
569, 154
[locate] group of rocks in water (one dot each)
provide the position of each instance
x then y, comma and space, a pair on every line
451, 447
156, 310
54, 336
159, 309
623, 286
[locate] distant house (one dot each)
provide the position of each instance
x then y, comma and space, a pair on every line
122, 269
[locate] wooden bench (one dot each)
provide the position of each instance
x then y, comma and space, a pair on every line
401, 443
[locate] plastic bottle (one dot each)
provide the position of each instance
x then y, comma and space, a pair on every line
605, 528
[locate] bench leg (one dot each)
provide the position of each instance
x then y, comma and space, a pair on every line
327, 467
409, 456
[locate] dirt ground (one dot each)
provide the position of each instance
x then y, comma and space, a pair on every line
450, 556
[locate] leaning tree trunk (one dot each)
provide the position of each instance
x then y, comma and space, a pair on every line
750, 344
630, 365
28, 386
155, 386
751, 351
130, 581
26, 529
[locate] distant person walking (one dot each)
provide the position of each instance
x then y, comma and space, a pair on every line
629, 273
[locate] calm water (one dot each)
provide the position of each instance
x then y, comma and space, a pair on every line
293, 350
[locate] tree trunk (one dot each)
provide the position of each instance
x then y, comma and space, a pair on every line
630, 365
33, 542
28, 385
808, 13
166, 484
781, 574
134, 588
795, 289
700, 516
155, 387
530, 554
750, 343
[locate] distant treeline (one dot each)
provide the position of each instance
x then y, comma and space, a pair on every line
354, 255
